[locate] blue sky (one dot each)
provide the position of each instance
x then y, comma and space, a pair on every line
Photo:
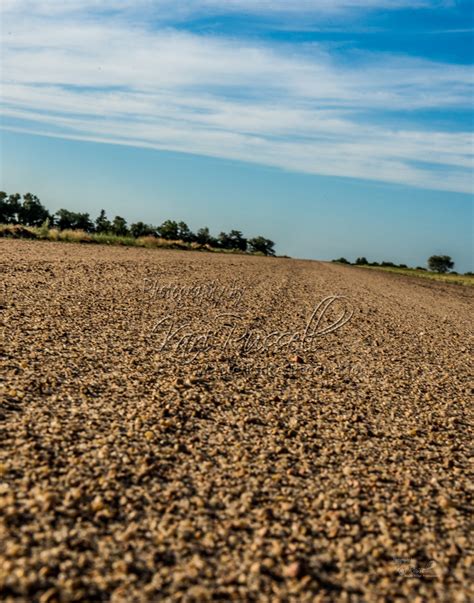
334, 127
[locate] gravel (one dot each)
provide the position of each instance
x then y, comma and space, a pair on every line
138, 463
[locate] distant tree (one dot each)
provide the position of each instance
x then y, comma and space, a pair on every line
203, 236
341, 261
361, 261
420, 268
440, 263
32, 212
262, 245
119, 227
403, 266
10, 207
469, 273
102, 223
3, 207
71, 220
65, 219
237, 240
388, 264
184, 233
84, 222
140, 229
223, 240
374, 264
169, 230
233, 240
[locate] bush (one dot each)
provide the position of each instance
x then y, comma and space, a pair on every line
75, 236
16, 231
43, 230
111, 239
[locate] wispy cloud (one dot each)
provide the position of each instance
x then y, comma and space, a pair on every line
187, 7
299, 108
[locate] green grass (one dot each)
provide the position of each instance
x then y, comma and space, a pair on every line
458, 279
79, 236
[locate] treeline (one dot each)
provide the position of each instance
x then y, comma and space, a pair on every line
365, 262
29, 211
436, 263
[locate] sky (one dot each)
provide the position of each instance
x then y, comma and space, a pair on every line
333, 127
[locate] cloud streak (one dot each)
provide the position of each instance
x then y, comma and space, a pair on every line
170, 9
296, 108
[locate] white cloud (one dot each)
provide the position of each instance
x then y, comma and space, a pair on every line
298, 109
188, 7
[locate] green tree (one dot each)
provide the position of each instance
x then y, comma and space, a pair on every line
361, 261
71, 220
440, 263
237, 240
140, 229
3, 207
341, 261
84, 222
203, 236
223, 240
262, 245
169, 230
119, 227
102, 223
32, 212
233, 240
65, 219
10, 207
185, 233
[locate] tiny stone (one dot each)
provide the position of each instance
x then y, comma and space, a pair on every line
292, 570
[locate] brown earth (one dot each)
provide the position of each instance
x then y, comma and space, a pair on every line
141, 462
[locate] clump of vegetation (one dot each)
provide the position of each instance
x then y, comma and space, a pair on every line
27, 217
17, 231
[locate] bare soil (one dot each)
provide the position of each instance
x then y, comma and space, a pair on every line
141, 463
